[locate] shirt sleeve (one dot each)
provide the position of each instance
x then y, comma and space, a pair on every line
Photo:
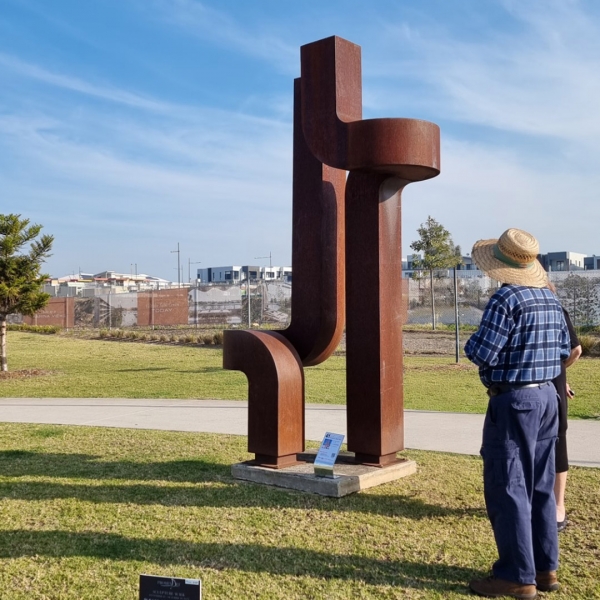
572, 333
565, 339
488, 341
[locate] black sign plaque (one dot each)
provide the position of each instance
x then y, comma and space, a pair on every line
169, 588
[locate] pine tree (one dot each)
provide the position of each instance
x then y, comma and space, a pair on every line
20, 278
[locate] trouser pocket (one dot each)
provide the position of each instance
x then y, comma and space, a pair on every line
501, 463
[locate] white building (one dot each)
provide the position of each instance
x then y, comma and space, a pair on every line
238, 273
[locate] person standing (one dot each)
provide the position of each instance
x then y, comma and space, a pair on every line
519, 347
564, 393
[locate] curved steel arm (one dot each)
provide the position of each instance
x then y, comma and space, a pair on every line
275, 393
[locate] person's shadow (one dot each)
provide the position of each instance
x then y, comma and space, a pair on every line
148, 483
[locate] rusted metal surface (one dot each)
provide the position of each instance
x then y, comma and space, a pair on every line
375, 415
383, 156
318, 239
333, 125
317, 323
275, 393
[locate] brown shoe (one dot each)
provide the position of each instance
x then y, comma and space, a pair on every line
491, 587
546, 581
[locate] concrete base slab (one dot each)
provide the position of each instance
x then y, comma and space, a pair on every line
348, 478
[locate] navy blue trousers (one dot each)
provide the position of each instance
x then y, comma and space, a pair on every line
519, 437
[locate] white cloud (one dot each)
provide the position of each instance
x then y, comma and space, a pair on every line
202, 20
218, 182
483, 191
75, 84
120, 172
518, 108
538, 78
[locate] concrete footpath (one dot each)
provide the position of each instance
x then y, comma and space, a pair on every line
424, 430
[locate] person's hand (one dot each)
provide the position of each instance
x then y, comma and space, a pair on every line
570, 392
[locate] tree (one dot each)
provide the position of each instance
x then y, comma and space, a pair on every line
579, 295
20, 278
438, 252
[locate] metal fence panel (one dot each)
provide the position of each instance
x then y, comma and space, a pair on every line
271, 304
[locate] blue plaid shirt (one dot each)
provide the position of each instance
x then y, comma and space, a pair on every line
522, 337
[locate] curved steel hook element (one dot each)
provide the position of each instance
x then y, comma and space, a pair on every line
333, 125
318, 308
275, 394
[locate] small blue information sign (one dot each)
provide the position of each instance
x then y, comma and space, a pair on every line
327, 454
169, 588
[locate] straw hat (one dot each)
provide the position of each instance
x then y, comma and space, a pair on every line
511, 259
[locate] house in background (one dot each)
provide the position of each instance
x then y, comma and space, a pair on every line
553, 262
562, 261
466, 270
88, 285
237, 273
591, 262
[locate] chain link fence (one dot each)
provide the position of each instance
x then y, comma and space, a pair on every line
213, 306
471, 297
270, 304
579, 293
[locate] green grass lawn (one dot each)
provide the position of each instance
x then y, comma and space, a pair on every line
86, 510
92, 368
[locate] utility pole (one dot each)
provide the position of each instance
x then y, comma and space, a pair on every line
178, 265
190, 263
269, 257
249, 305
456, 323
261, 257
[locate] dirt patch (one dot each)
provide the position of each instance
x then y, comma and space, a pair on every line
432, 342
25, 374
452, 367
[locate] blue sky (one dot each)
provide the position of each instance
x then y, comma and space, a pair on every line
128, 126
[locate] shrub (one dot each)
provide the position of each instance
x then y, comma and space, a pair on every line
174, 338
589, 345
163, 337
45, 329
208, 339
189, 338
218, 338
103, 333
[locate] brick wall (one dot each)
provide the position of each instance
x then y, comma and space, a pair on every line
163, 307
58, 311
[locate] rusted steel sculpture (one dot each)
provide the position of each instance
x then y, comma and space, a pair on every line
383, 156
273, 361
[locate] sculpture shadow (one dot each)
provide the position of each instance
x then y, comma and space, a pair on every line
255, 558
18, 463
231, 493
